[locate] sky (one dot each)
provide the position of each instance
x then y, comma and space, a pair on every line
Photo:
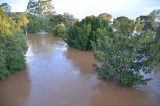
82, 8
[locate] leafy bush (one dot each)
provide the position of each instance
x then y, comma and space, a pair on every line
59, 30
124, 58
12, 48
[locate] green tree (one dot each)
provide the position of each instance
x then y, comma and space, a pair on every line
81, 34
12, 47
124, 58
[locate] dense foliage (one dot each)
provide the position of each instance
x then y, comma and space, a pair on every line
125, 55
59, 30
82, 34
12, 47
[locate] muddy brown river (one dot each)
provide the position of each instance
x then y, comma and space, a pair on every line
57, 75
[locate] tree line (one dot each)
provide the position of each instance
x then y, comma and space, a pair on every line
43, 17
126, 49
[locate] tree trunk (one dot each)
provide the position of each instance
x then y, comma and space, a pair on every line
26, 30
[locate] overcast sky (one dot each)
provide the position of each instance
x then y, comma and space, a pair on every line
82, 8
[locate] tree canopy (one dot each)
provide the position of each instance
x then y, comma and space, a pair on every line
124, 58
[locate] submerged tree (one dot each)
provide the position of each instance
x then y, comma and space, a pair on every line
124, 58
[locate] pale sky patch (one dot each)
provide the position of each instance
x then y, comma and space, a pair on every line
83, 8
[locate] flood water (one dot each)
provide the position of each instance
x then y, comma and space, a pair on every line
57, 75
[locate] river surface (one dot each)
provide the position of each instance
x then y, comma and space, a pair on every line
57, 75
